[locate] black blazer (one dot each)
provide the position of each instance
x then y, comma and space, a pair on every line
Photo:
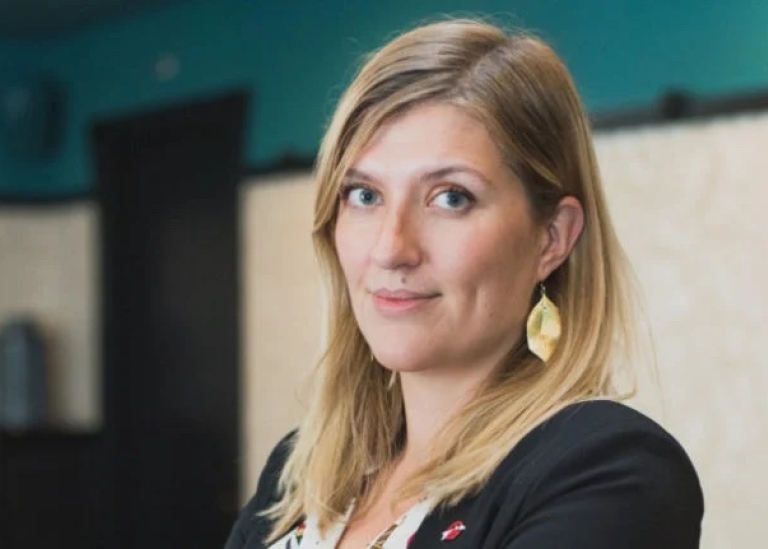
596, 475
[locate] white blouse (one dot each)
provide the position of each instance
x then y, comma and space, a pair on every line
397, 536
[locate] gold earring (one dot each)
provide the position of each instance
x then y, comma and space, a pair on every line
543, 327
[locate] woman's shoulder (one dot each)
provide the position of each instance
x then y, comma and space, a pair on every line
599, 415
279, 455
597, 428
589, 421
609, 458
250, 524
595, 474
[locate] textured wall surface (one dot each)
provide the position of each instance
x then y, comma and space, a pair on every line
48, 270
283, 313
687, 201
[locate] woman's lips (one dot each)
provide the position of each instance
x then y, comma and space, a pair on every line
400, 301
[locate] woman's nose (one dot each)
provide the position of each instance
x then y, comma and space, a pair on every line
397, 243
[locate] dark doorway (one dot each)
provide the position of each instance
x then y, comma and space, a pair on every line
167, 183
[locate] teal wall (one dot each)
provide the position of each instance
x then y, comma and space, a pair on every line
296, 56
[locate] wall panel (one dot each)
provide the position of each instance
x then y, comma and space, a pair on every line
49, 270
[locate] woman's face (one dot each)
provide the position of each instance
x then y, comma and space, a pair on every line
437, 244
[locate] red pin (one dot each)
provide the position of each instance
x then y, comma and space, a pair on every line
453, 531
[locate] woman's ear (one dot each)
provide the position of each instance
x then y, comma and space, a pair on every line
563, 230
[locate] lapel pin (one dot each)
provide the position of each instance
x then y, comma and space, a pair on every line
453, 531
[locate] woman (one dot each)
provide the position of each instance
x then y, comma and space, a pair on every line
467, 394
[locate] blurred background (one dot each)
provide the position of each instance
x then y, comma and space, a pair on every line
159, 302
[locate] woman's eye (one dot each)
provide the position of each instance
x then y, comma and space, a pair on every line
453, 199
361, 196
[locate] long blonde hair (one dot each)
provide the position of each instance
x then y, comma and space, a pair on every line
519, 88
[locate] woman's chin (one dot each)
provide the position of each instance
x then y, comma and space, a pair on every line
404, 363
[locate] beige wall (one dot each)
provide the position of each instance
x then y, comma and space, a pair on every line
688, 204
283, 313
48, 270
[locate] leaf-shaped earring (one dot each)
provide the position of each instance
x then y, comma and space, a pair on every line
543, 327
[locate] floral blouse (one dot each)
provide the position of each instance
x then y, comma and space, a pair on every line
396, 536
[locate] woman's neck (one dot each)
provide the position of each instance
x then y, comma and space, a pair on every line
430, 400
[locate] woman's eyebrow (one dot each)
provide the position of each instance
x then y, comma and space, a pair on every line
353, 173
454, 169
440, 173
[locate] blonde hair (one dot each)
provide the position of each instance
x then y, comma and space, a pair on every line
521, 91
